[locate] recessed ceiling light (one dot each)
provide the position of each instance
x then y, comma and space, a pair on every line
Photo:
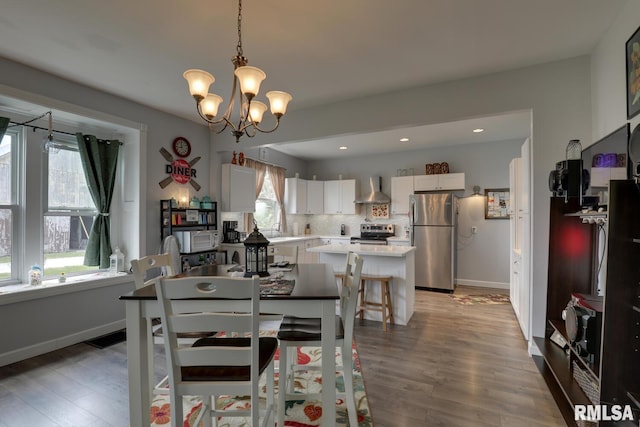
404, 139
344, 147
478, 130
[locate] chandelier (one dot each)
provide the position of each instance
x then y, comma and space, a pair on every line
246, 83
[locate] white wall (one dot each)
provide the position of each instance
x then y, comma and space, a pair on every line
608, 79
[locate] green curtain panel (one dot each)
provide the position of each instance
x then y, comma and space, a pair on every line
99, 160
4, 123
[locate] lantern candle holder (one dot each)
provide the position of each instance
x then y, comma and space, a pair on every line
256, 254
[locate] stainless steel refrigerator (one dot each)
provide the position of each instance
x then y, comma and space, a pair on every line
433, 233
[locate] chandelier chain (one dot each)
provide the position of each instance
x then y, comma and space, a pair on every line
239, 47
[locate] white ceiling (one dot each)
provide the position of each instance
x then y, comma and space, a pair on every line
321, 51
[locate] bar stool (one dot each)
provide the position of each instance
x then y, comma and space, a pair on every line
384, 306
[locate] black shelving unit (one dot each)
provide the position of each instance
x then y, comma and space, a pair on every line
617, 375
174, 219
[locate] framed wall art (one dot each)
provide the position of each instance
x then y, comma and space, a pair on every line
497, 201
633, 74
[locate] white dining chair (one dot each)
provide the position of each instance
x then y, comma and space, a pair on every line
142, 268
297, 332
230, 366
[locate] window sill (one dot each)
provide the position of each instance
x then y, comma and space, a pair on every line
23, 292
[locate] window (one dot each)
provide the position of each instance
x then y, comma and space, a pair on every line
267, 212
69, 216
8, 203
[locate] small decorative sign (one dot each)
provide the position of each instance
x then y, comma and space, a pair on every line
380, 211
496, 203
192, 215
180, 171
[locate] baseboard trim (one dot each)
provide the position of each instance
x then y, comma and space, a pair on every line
482, 284
58, 343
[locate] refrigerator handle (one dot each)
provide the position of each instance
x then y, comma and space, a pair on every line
412, 212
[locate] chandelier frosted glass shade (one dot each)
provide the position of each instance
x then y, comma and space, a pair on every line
210, 104
250, 79
278, 101
199, 82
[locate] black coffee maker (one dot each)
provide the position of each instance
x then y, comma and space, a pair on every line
230, 234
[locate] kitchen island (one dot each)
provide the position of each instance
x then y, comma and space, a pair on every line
395, 261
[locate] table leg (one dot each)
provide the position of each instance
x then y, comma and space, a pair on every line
328, 363
137, 360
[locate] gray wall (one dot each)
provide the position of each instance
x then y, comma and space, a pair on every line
557, 93
483, 258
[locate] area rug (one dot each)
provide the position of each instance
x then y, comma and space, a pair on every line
481, 299
299, 413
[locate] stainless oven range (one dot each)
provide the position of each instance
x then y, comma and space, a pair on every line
374, 234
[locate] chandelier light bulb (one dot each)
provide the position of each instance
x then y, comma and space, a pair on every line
199, 82
250, 79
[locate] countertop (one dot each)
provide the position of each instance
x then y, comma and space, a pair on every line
288, 239
375, 250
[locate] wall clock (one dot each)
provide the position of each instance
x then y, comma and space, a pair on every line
181, 146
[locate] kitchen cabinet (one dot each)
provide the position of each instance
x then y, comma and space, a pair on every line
401, 189
315, 197
295, 195
238, 188
398, 242
303, 197
339, 196
440, 182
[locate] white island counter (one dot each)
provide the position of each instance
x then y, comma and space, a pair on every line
395, 261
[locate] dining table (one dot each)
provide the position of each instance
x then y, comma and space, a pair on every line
314, 294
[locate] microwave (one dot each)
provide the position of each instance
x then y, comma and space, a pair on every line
197, 241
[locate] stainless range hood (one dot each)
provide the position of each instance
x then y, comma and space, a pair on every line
375, 196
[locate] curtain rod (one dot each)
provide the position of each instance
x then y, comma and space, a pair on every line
13, 124
268, 164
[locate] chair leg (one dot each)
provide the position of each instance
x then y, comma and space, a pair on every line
347, 375
269, 372
207, 419
282, 383
177, 413
362, 300
389, 303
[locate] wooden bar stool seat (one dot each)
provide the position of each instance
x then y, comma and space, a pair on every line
383, 306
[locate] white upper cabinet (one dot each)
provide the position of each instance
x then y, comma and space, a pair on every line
315, 197
445, 181
295, 195
339, 196
401, 189
303, 197
238, 188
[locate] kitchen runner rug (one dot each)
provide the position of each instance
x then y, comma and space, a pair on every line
299, 413
481, 299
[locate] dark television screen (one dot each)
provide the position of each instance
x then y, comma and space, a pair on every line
607, 159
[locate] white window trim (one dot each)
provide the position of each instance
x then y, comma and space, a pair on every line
129, 234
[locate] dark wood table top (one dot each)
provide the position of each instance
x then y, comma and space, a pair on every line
312, 281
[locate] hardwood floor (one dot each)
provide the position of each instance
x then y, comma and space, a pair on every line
454, 365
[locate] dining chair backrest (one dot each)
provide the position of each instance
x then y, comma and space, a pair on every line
141, 266
283, 253
349, 294
229, 304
